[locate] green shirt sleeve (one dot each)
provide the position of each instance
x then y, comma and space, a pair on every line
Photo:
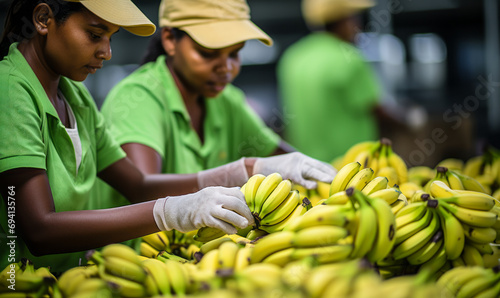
363, 92
21, 123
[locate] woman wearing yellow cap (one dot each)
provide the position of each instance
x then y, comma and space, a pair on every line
179, 113
55, 143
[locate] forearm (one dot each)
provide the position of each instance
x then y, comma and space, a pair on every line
70, 231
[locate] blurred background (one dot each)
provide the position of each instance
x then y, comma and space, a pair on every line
437, 60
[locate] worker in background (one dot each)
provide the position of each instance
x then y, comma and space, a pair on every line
326, 86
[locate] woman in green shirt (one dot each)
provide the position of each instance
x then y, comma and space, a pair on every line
179, 113
55, 143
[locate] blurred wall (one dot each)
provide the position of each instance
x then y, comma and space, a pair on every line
437, 60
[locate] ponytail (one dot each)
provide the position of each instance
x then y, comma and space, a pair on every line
155, 47
19, 21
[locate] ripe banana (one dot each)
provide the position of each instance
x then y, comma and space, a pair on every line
297, 212
255, 233
358, 148
391, 175
158, 272
271, 244
454, 181
251, 188
324, 254
428, 250
390, 195
419, 239
386, 228
206, 234
478, 285
124, 269
318, 236
213, 244
361, 178
280, 258
227, 255
277, 196
339, 198
124, 287
242, 259
470, 183
399, 204
344, 175
414, 213
148, 251
158, 241
398, 164
286, 207
209, 261
364, 237
265, 189
409, 188
462, 198
476, 218
120, 251
405, 232
177, 276
335, 215
377, 183
454, 237
479, 235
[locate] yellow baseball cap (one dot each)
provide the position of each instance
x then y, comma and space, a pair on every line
213, 24
321, 12
123, 13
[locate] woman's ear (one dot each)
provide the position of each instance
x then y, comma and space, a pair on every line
168, 41
42, 18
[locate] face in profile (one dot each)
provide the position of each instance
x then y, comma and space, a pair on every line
204, 71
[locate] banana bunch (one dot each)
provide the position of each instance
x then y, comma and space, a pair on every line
22, 278
410, 286
120, 266
273, 202
474, 281
71, 279
380, 157
456, 180
485, 168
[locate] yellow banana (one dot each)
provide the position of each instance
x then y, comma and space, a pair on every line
410, 229
270, 244
386, 229
124, 269
209, 261
472, 256
454, 164
454, 237
123, 287
339, 198
71, 278
121, 251
148, 251
280, 258
213, 244
428, 250
390, 195
255, 233
336, 215
227, 254
364, 236
297, 212
318, 236
265, 189
409, 188
177, 277
454, 181
344, 175
158, 272
476, 218
479, 235
324, 254
283, 210
92, 287
420, 175
414, 213
470, 183
356, 149
251, 188
432, 266
391, 175
377, 183
361, 178
475, 286
206, 234
242, 259
158, 241
413, 243
278, 196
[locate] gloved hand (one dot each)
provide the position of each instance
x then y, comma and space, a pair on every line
299, 168
228, 175
217, 207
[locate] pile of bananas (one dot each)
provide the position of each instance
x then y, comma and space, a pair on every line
353, 176
363, 227
474, 281
379, 156
23, 279
272, 201
170, 245
485, 168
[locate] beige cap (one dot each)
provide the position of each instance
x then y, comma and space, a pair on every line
213, 24
321, 12
123, 13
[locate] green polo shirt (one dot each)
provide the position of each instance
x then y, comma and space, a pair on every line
33, 137
329, 91
147, 108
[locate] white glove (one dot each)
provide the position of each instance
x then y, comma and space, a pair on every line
217, 207
297, 167
229, 175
